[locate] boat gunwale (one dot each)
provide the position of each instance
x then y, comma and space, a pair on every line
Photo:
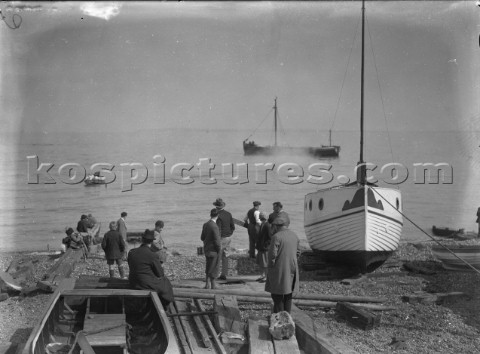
32, 341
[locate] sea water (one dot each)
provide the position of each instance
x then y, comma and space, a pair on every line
147, 182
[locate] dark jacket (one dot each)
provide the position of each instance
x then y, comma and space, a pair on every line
146, 272
225, 223
210, 237
275, 215
82, 225
113, 245
264, 237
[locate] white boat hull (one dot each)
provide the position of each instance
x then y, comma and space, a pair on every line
360, 225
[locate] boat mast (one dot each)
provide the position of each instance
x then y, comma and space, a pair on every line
362, 171
275, 111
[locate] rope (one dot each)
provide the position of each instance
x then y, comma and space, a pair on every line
282, 129
259, 124
418, 227
344, 77
380, 91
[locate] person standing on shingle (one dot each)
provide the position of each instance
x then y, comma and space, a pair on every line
226, 226
252, 220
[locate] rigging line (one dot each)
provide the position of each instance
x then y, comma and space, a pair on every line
260, 124
418, 227
345, 76
380, 90
282, 129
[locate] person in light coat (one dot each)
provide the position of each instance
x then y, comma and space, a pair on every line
282, 274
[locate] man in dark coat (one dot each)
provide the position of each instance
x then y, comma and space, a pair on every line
226, 226
114, 247
82, 225
282, 274
263, 243
211, 248
277, 211
252, 219
146, 272
478, 221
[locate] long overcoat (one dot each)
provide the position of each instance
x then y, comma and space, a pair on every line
282, 272
146, 272
113, 245
122, 228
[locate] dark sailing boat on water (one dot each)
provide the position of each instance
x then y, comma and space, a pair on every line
250, 148
357, 224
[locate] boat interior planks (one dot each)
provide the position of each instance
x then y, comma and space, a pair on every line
108, 320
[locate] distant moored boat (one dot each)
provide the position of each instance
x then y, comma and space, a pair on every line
251, 148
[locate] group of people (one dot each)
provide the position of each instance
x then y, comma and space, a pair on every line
271, 243
277, 250
144, 262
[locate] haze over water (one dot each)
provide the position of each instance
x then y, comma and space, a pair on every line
86, 83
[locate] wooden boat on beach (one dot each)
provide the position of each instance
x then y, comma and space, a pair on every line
251, 148
460, 255
357, 224
107, 320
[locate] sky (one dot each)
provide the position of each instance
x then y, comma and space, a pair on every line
118, 66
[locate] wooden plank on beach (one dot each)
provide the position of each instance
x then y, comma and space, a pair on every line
230, 321
299, 296
204, 337
286, 346
213, 333
359, 317
313, 338
238, 222
189, 335
181, 338
62, 269
260, 340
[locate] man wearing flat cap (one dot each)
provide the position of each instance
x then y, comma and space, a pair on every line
146, 272
282, 273
226, 227
252, 221
277, 211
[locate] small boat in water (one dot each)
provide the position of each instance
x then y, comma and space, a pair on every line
95, 179
466, 253
445, 231
102, 321
251, 148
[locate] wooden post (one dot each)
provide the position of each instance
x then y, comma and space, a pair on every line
260, 340
229, 321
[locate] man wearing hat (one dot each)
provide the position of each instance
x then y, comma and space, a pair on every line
277, 211
146, 272
211, 247
122, 229
282, 274
252, 219
114, 247
226, 226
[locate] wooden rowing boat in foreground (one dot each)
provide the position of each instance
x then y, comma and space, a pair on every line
102, 321
468, 253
